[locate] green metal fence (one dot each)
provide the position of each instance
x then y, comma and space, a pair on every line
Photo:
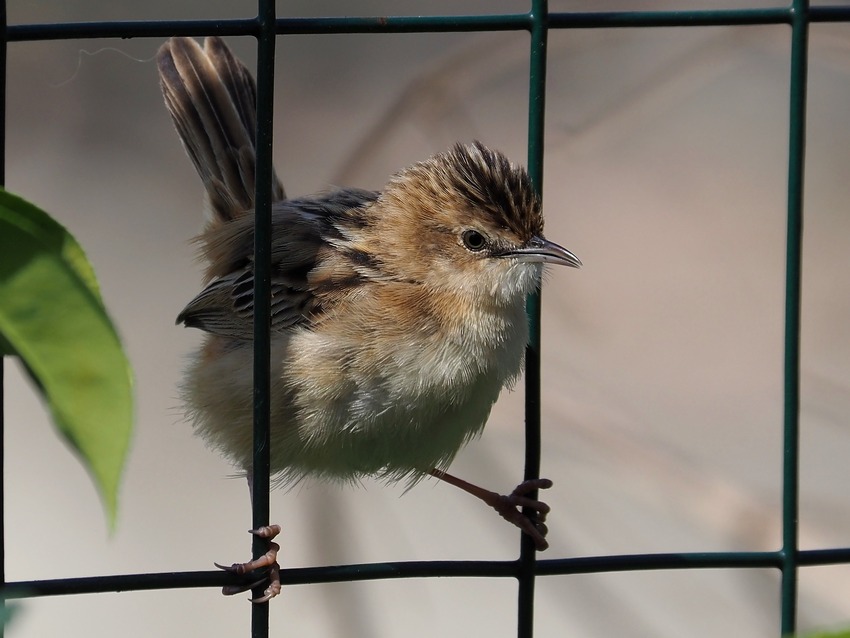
538, 22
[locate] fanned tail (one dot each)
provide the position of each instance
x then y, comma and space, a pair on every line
212, 99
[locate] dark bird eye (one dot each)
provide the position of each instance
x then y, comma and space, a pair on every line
473, 240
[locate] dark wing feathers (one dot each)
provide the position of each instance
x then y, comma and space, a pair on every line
226, 307
306, 273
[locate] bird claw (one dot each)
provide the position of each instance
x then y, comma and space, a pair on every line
510, 507
266, 561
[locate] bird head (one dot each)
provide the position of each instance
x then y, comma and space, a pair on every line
470, 222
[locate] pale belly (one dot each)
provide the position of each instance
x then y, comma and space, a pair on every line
337, 417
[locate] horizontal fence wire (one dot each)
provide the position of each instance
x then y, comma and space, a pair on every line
419, 24
431, 569
537, 22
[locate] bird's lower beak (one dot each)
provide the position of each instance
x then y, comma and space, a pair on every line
541, 250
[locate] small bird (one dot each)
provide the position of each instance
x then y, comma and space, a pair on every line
397, 316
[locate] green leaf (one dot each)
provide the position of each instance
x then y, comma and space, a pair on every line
7, 613
52, 317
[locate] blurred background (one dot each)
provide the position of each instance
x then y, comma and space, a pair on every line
665, 171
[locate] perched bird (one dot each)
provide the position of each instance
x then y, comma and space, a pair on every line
397, 317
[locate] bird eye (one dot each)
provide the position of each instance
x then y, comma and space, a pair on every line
473, 240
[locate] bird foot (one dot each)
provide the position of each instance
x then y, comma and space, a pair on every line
510, 507
267, 561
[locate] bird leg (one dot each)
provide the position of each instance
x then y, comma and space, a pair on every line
267, 560
510, 506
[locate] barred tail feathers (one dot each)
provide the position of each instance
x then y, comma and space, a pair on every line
212, 99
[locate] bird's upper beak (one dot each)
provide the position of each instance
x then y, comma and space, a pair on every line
541, 250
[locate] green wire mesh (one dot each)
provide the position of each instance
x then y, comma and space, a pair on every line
538, 22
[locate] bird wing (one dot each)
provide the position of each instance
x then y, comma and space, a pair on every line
226, 307
310, 265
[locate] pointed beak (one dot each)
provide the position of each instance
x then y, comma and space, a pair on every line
541, 250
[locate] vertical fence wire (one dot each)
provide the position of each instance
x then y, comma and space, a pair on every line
3, 42
262, 294
536, 112
793, 259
